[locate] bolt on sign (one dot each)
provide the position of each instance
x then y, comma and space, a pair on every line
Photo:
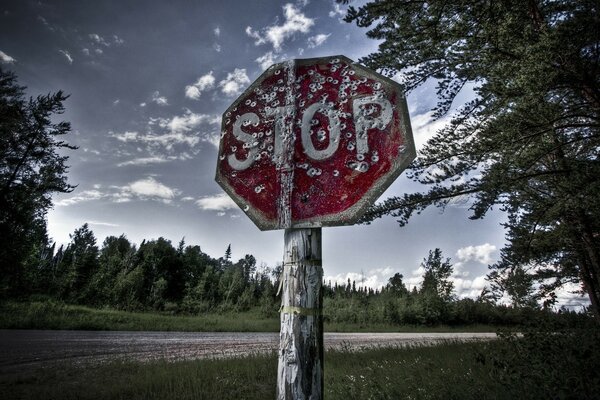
313, 143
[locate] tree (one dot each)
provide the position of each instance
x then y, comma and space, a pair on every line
396, 285
528, 141
31, 170
79, 264
517, 284
436, 279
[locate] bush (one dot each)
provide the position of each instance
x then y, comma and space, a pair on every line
548, 361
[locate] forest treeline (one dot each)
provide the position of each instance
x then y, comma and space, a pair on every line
158, 276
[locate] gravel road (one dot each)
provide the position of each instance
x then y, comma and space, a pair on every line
26, 350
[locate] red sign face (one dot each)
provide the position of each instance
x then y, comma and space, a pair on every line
313, 143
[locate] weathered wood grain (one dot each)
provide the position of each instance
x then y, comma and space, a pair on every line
300, 369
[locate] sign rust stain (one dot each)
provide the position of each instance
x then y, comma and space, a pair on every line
313, 143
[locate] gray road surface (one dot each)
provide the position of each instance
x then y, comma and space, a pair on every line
25, 350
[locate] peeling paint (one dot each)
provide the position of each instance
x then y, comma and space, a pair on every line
300, 367
323, 138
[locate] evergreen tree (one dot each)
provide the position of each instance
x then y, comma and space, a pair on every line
436, 279
79, 263
529, 140
396, 286
31, 170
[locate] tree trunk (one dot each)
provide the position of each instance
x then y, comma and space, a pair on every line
300, 369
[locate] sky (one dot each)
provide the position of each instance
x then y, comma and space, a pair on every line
149, 82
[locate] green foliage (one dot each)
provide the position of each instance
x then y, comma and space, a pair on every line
31, 170
529, 140
545, 361
543, 366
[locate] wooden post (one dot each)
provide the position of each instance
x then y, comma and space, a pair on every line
300, 369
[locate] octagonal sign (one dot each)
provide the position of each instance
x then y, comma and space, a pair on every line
313, 142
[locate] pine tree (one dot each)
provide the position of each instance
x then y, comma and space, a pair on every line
31, 170
528, 142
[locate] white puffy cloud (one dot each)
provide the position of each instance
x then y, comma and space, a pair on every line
205, 82
142, 189
150, 188
235, 82
266, 60
127, 136
5, 58
98, 39
295, 21
217, 31
481, 253
373, 278
187, 121
218, 202
67, 56
337, 11
86, 195
317, 40
468, 287
158, 99
117, 40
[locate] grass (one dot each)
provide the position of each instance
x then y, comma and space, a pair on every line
529, 368
56, 315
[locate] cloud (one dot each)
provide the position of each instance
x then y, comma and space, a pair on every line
266, 60
187, 121
5, 58
218, 202
205, 82
100, 223
98, 39
67, 56
217, 47
84, 196
374, 278
127, 136
158, 99
337, 11
170, 139
117, 40
481, 253
317, 40
468, 287
235, 82
295, 21
144, 161
217, 31
46, 23
425, 127
150, 188
143, 189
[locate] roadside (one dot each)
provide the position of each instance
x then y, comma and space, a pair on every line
57, 315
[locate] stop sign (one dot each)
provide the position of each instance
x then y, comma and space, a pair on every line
313, 143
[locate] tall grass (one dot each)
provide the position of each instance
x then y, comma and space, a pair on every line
540, 365
57, 315
52, 314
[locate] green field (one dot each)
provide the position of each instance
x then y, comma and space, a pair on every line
540, 366
57, 315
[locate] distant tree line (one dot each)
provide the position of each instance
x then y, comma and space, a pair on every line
152, 276
157, 276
